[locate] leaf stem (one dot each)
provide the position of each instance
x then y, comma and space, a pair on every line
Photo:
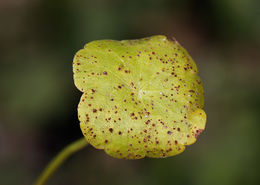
55, 163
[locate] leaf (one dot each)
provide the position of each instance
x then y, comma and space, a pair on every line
140, 97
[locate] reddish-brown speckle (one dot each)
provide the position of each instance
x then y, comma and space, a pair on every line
198, 132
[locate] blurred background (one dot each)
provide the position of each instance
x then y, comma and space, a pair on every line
38, 100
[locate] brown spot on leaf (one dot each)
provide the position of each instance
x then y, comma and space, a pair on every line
198, 132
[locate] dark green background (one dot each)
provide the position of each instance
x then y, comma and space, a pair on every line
38, 100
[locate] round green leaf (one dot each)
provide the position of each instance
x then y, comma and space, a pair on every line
140, 97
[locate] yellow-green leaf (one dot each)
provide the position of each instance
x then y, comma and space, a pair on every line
140, 97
